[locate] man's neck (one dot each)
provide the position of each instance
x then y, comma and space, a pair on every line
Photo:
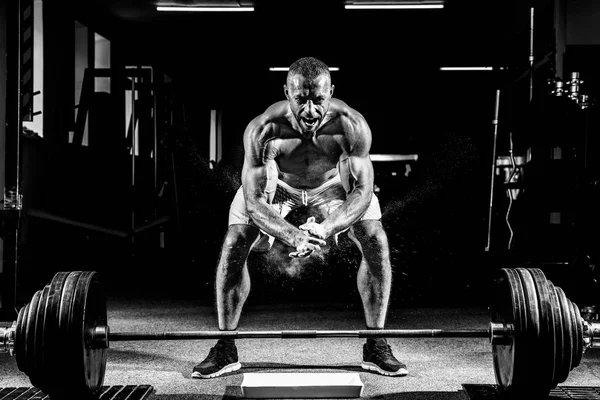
307, 135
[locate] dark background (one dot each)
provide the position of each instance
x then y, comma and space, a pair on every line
436, 217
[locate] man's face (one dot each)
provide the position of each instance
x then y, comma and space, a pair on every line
309, 100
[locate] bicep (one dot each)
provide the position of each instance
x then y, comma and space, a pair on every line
356, 172
355, 166
259, 176
259, 180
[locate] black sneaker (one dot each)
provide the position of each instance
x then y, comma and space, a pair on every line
378, 357
221, 359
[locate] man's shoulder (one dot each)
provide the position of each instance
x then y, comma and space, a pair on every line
345, 115
273, 116
268, 124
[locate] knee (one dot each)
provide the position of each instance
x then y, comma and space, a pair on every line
234, 252
239, 239
236, 245
371, 234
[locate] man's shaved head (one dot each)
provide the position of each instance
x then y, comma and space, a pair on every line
310, 68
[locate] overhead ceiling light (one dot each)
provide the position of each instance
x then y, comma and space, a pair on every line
287, 69
466, 68
202, 9
395, 5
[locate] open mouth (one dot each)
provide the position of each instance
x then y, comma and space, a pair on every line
309, 122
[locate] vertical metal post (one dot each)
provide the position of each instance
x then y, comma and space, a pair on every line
172, 156
133, 147
586, 133
18, 110
219, 135
213, 139
491, 207
154, 93
16, 134
560, 35
531, 52
5, 291
155, 128
13, 125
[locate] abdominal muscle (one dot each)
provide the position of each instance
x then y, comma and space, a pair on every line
307, 181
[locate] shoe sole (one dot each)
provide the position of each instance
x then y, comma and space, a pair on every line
228, 368
372, 367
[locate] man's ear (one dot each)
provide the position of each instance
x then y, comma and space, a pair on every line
331, 90
285, 90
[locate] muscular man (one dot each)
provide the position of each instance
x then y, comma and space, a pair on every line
309, 150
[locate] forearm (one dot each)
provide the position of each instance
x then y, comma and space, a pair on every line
268, 220
349, 212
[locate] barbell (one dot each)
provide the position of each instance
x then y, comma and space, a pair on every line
61, 337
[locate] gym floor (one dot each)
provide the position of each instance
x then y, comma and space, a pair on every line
439, 368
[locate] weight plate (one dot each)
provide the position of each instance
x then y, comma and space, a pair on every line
65, 380
578, 353
88, 312
20, 355
547, 337
30, 337
508, 308
52, 340
532, 331
559, 324
38, 378
568, 334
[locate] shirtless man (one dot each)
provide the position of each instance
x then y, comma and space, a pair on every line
309, 150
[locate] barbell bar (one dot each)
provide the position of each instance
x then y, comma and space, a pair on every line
537, 335
291, 334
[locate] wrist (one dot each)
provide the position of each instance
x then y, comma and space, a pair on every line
327, 230
299, 238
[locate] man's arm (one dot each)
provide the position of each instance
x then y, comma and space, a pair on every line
356, 173
259, 182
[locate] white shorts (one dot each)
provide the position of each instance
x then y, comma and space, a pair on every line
326, 198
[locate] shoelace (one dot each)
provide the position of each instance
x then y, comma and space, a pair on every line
220, 357
383, 350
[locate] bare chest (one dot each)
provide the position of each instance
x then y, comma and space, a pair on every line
308, 158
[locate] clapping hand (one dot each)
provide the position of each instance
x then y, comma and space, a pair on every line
311, 240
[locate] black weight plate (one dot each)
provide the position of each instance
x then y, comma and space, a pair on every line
508, 308
20, 356
38, 342
559, 324
89, 311
65, 380
53, 353
578, 353
30, 337
568, 333
547, 336
532, 330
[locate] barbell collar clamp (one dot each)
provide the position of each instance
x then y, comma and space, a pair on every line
7, 339
501, 334
591, 334
99, 339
